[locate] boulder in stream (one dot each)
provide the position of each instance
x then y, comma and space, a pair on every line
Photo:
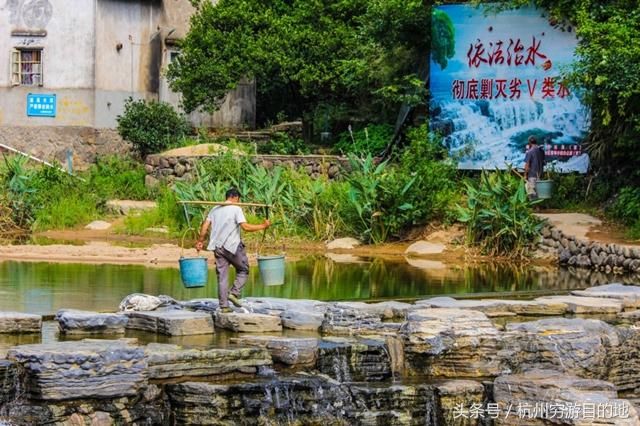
451, 343
73, 321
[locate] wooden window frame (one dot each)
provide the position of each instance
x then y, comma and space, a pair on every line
17, 63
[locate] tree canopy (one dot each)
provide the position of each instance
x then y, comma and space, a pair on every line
351, 59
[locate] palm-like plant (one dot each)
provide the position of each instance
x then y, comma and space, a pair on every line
498, 215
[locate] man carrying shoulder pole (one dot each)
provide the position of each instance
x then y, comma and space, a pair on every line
226, 244
533, 167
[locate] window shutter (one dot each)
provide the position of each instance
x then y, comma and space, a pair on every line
15, 67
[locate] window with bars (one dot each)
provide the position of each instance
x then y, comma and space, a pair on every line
26, 67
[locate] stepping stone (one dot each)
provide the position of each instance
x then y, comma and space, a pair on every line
285, 350
18, 322
302, 320
171, 322
585, 305
72, 321
628, 294
173, 361
242, 322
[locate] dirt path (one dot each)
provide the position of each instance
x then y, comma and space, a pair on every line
587, 227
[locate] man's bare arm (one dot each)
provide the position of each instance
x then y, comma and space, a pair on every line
203, 233
253, 228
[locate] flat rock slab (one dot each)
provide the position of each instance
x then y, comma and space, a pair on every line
628, 294
496, 307
585, 305
285, 350
242, 322
425, 248
72, 321
343, 244
276, 306
174, 362
172, 322
540, 388
385, 310
18, 322
82, 369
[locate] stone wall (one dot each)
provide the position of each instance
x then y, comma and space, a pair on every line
603, 257
171, 169
50, 143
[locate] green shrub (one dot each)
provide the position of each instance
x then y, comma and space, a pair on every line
372, 139
17, 183
436, 190
115, 177
281, 144
151, 127
626, 208
498, 215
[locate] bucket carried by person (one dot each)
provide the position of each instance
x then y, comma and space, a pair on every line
193, 270
271, 267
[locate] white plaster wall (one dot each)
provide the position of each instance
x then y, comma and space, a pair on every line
125, 72
68, 59
69, 25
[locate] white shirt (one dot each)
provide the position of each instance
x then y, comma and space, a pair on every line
225, 227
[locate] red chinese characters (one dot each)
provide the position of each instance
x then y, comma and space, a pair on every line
488, 88
478, 54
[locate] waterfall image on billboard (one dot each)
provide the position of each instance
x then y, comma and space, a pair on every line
495, 80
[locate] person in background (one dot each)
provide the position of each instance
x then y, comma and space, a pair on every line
533, 166
226, 244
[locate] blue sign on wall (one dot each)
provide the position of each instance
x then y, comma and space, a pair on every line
39, 105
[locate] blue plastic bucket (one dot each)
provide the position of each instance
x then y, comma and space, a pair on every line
271, 269
193, 271
544, 188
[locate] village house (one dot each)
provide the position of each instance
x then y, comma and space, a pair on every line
68, 66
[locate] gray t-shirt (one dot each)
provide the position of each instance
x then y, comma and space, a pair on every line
535, 158
225, 227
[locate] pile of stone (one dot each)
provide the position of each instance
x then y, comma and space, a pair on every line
181, 168
604, 257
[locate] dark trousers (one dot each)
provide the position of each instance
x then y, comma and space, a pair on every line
240, 261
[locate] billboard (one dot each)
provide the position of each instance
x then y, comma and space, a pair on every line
495, 81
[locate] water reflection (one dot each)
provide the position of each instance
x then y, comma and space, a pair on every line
44, 288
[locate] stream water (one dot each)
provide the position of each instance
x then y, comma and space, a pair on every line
43, 288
